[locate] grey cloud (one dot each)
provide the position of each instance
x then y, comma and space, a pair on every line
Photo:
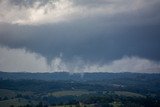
91, 43
55, 11
27, 3
130, 28
18, 60
15, 60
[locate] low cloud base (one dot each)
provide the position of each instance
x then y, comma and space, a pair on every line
18, 60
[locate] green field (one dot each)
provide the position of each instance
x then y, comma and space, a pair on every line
10, 97
68, 93
128, 94
81, 105
7, 93
12, 93
16, 102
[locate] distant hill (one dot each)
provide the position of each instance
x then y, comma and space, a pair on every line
63, 88
77, 76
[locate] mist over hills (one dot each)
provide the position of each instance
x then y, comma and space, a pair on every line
77, 76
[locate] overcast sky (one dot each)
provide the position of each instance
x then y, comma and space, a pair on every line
80, 35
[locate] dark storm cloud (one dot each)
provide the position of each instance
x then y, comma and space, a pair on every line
95, 43
95, 31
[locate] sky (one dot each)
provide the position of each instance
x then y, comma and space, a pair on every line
80, 36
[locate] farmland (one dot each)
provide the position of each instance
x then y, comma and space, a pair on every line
100, 90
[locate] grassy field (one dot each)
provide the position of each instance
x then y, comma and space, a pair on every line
16, 102
11, 99
86, 105
128, 94
68, 93
7, 93
12, 93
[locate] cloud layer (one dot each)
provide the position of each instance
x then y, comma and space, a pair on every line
12, 60
80, 35
53, 11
